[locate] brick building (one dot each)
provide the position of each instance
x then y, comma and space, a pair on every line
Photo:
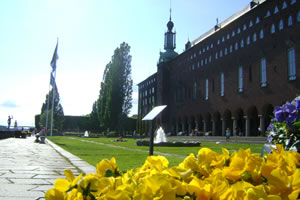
233, 75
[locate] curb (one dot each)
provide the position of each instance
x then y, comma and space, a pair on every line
82, 165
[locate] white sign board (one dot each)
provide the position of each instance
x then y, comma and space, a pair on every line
154, 112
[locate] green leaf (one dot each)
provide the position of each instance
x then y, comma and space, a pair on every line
297, 124
109, 173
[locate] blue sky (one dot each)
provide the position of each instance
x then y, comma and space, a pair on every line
88, 32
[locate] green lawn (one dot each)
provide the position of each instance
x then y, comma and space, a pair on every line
132, 156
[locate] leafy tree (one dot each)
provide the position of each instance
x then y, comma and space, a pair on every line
58, 112
93, 118
115, 95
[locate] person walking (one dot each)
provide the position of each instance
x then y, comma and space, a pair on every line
228, 134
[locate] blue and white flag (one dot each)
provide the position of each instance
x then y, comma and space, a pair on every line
52, 80
54, 58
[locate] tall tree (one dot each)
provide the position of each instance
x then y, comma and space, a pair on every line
58, 112
93, 118
115, 96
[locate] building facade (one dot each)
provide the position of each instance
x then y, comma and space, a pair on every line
235, 74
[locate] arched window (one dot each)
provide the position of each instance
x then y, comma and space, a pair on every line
238, 30
263, 72
284, 5
206, 89
230, 48
261, 34
228, 36
291, 64
276, 10
248, 40
216, 55
209, 59
290, 21
240, 79
222, 84
280, 25
250, 23
236, 46
244, 27
257, 20
273, 28
254, 37
225, 51
233, 34
221, 53
242, 43
268, 14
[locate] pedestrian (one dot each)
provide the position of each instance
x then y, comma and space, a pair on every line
9, 121
228, 134
16, 124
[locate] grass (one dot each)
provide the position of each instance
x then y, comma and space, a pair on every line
131, 156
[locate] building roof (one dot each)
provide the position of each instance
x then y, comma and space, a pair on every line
225, 22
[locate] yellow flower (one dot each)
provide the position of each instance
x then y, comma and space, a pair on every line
115, 195
219, 184
205, 158
154, 187
190, 162
237, 191
287, 187
54, 194
241, 162
105, 165
89, 184
285, 160
65, 185
258, 193
200, 189
221, 159
155, 162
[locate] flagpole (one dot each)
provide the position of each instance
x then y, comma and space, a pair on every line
53, 94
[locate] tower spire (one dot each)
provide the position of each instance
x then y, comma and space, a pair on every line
170, 10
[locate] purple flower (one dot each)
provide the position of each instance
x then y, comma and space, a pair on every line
270, 127
269, 138
279, 114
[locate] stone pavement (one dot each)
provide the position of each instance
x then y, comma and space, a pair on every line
29, 169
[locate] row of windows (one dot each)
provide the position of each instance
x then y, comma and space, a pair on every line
181, 92
148, 83
242, 43
146, 92
147, 101
244, 28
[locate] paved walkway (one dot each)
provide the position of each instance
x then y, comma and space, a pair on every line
28, 169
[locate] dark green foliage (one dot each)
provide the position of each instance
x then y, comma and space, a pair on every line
58, 112
37, 121
94, 124
115, 96
76, 123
